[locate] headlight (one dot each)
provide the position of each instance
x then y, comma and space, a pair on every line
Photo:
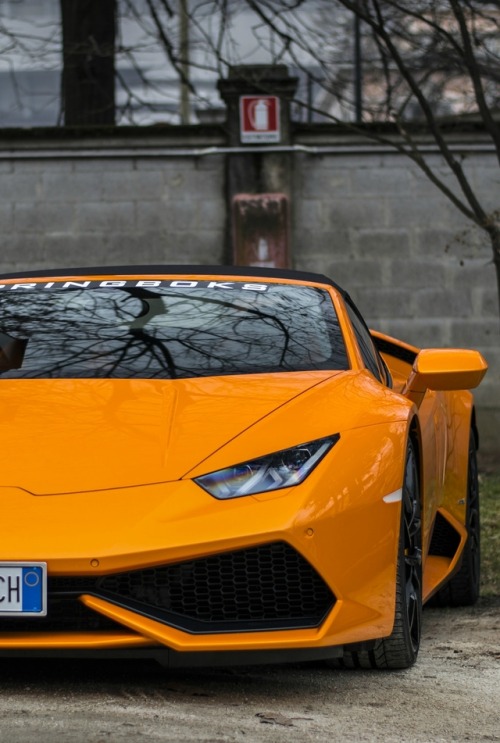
272, 472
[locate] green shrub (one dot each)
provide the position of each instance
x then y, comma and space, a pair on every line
490, 535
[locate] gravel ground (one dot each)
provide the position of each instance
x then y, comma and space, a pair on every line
451, 694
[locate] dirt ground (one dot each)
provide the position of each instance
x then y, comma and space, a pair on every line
451, 694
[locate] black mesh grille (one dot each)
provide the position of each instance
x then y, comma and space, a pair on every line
267, 587
270, 586
63, 615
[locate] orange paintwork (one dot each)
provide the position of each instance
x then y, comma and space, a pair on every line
444, 369
99, 474
117, 433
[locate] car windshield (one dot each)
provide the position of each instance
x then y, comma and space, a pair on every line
165, 329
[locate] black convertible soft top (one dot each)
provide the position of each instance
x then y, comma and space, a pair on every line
176, 270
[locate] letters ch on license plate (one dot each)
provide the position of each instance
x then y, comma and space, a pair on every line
23, 589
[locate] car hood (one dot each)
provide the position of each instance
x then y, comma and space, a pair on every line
77, 435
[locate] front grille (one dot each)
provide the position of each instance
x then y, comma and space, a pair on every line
260, 588
267, 587
65, 614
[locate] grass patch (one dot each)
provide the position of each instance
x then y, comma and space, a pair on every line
490, 534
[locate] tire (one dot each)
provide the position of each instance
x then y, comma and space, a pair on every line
463, 588
400, 649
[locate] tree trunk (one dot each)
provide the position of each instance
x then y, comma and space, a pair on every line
88, 83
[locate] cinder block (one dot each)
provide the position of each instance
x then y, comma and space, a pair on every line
74, 249
404, 211
433, 242
487, 395
194, 183
14, 187
73, 186
423, 187
486, 182
129, 248
326, 183
488, 419
330, 244
475, 333
211, 214
100, 165
20, 249
36, 168
192, 248
420, 332
377, 303
6, 218
440, 302
6, 267
151, 216
136, 186
175, 183
394, 181
213, 164
360, 213
382, 243
152, 165
353, 161
416, 275
176, 215
308, 214
355, 274
465, 275
312, 262
42, 217
105, 217
466, 244
488, 302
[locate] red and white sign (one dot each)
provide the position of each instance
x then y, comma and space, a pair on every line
259, 119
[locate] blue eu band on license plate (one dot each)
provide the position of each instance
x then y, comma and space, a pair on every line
23, 589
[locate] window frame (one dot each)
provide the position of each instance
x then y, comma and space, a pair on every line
372, 359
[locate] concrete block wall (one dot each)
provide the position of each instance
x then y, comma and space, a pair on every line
110, 210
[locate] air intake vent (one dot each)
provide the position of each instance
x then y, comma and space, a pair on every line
65, 614
445, 539
267, 587
260, 588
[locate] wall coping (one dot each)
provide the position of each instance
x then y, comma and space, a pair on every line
201, 140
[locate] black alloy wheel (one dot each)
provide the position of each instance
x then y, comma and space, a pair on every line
412, 552
400, 649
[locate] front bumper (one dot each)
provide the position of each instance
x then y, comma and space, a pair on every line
336, 521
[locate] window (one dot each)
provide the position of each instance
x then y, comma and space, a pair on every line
371, 357
167, 332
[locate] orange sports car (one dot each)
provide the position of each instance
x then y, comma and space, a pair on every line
224, 465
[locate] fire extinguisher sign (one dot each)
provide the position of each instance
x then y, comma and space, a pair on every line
259, 119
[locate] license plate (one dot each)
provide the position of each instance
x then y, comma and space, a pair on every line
23, 589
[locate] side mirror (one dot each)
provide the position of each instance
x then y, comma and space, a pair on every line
444, 369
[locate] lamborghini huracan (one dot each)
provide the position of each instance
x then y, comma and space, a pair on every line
209, 465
